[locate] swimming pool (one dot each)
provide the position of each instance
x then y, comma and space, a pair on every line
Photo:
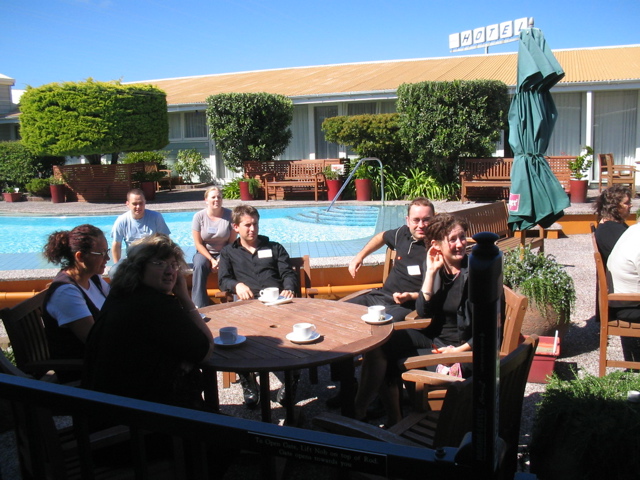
284, 225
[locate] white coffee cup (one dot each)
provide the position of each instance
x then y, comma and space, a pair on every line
228, 335
376, 312
270, 294
303, 331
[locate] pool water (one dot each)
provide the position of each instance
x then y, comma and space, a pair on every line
284, 225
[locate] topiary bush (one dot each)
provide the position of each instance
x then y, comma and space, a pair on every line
38, 187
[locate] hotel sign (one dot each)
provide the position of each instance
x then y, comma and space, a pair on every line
490, 35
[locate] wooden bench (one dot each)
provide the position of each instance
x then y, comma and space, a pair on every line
491, 177
493, 217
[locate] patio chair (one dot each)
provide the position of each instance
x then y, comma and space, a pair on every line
610, 326
448, 426
28, 340
389, 258
616, 174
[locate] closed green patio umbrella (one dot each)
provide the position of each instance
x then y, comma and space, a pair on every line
536, 196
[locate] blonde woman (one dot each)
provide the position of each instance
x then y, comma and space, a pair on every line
211, 230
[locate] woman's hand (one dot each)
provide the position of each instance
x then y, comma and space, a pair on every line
214, 264
401, 297
180, 289
435, 259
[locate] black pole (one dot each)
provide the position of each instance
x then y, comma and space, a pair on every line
485, 293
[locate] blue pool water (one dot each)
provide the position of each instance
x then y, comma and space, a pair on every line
284, 225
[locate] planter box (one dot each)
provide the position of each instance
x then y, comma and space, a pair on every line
544, 360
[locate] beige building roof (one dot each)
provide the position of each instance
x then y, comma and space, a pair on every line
582, 66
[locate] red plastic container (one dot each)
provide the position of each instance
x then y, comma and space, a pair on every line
544, 360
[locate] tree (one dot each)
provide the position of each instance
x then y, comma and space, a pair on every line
93, 118
440, 122
370, 136
249, 126
18, 165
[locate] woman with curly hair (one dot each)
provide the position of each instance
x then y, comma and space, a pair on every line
612, 208
78, 291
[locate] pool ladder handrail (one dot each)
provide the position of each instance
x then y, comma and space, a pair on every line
353, 170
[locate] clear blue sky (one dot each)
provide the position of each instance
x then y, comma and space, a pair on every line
45, 41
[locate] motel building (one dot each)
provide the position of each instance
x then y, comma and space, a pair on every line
598, 100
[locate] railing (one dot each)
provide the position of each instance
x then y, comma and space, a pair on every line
353, 170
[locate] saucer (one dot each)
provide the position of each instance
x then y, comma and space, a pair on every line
265, 300
387, 318
239, 339
280, 301
292, 338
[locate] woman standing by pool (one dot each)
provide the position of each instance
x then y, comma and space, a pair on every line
78, 291
211, 230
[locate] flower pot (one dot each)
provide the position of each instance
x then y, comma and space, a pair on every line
363, 189
333, 187
57, 193
12, 197
245, 194
543, 324
149, 190
578, 190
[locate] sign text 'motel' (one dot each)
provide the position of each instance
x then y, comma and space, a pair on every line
490, 35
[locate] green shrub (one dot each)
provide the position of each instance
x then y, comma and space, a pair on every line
231, 190
38, 187
150, 156
18, 165
189, 164
416, 183
586, 429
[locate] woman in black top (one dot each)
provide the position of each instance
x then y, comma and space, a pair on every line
443, 297
612, 208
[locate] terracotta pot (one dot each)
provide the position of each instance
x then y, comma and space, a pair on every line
149, 190
57, 193
12, 197
543, 323
333, 187
363, 189
578, 190
245, 194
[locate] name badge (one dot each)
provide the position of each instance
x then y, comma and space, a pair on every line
413, 270
212, 230
265, 253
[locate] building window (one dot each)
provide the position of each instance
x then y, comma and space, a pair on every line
195, 125
324, 149
175, 132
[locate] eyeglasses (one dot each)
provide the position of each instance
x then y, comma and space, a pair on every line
102, 254
416, 221
163, 265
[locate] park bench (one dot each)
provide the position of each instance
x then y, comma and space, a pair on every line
284, 178
493, 217
491, 177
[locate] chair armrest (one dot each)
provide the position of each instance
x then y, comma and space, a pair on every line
411, 321
423, 361
355, 294
628, 297
348, 426
311, 292
430, 378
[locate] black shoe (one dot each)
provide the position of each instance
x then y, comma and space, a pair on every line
250, 390
336, 400
282, 391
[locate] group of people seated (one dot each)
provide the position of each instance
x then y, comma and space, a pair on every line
143, 335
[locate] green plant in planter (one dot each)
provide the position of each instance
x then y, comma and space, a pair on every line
148, 176
57, 180
331, 174
38, 187
582, 163
542, 279
586, 429
231, 190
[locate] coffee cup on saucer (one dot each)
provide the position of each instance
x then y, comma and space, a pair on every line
270, 294
376, 313
304, 331
228, 335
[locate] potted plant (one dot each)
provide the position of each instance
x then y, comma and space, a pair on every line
579, 167
249, 188
547, 285
363, 182
334, 182
147, 182
12, 194
57, 189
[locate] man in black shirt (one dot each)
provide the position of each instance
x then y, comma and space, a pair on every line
246, 266
407, 272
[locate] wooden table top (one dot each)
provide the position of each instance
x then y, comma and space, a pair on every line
343, 334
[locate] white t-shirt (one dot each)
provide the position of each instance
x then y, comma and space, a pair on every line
624, 261
129, 229
67, 304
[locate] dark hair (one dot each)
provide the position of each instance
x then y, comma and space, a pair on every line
441, 225
421, 202
136, 191
62, 245
242, 210
608, 203
128, 276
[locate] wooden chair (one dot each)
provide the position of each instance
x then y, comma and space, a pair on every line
389, 259
616, 174
302, 266
608, 325
25, 329
166, 181
448, 426
427, 395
